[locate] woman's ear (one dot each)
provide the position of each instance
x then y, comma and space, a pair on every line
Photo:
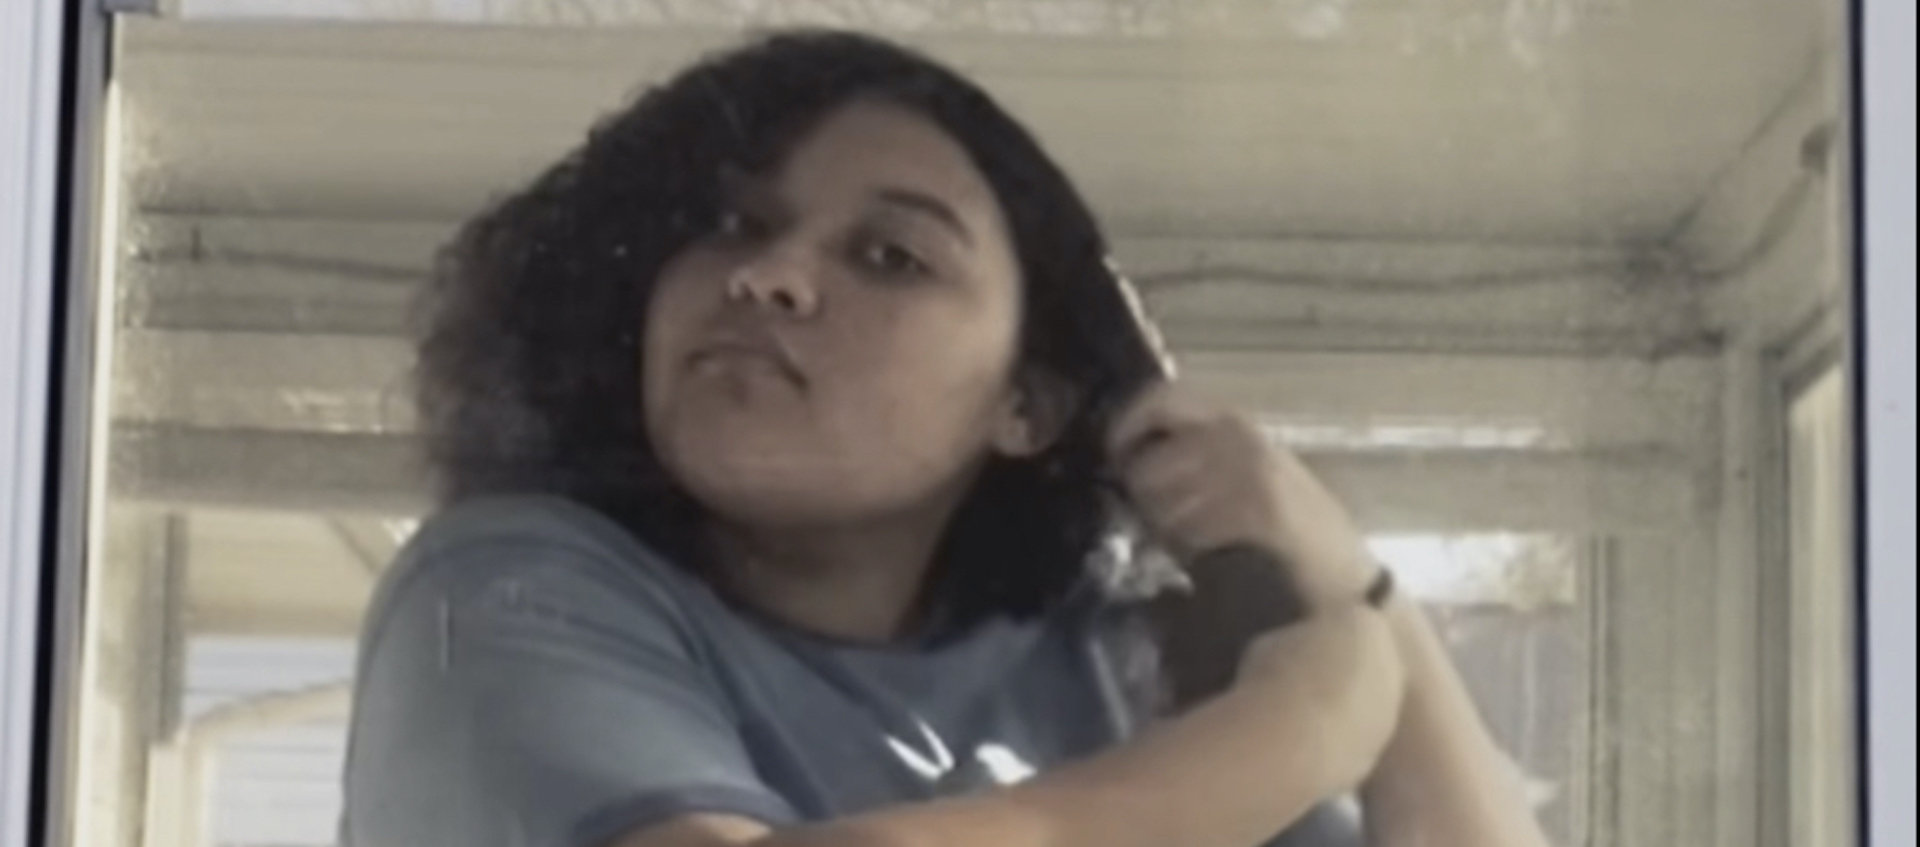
1036, 415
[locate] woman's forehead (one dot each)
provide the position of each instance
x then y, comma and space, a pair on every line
870, 148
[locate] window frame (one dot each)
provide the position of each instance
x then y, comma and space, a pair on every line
52, 73
32, 55
1883, 350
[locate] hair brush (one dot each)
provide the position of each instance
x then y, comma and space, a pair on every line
1206, 609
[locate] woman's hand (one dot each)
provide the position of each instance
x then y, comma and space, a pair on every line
1203, 477
1392, 714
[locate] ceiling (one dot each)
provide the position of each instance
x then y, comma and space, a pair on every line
1478, 120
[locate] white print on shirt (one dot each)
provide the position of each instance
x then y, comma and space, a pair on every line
1005, 765
1001, 763
930, 768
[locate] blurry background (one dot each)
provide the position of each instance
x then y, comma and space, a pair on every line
1551, 290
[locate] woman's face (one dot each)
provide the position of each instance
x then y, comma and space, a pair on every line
841, 347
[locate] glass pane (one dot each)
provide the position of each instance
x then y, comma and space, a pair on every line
1517, 613
1537, 289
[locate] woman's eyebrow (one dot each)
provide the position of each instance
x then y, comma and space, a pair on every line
928, 205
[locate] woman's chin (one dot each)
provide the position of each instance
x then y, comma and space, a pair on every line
771, 495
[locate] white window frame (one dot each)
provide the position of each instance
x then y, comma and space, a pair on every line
1886, 41
32, 58
53, 69
31, 63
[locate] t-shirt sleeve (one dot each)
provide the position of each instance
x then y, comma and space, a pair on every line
520, 692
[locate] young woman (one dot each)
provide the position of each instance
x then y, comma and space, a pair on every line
778, 426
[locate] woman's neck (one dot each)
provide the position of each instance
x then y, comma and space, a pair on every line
855, 583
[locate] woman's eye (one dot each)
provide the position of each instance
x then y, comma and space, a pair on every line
892, 259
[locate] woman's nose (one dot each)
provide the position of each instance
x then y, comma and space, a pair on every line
779, 282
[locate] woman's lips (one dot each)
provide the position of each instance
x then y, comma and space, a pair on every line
749, 352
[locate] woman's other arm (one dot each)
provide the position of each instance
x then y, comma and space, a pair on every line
1306, 721
1443, 780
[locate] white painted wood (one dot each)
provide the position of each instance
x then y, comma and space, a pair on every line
1786, 192
357, 384
269, 716
1825, 691
357, 277
1608, 134
1887, 312
1743, 555
30, 62
1774, 230
1629, 490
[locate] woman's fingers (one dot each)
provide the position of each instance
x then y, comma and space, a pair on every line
1157, 413
1202, 477
1196, 473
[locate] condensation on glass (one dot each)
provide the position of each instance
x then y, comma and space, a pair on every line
1552, 290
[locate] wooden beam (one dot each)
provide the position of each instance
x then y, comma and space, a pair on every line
1629, 490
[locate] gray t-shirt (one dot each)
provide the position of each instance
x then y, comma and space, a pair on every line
531, 675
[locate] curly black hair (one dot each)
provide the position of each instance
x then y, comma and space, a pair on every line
529, 359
